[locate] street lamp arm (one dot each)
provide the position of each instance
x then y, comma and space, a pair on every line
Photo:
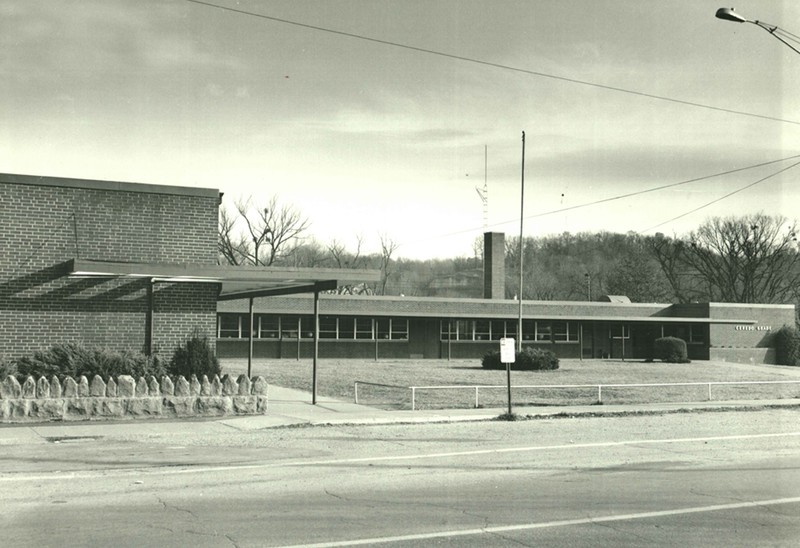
728, 14
771, 29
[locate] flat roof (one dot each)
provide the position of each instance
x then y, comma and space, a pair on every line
455, 309
95, 184
237, 282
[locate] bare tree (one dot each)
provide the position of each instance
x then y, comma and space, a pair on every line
752, 259
388, 247
258, 236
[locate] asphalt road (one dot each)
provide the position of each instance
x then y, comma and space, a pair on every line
700, 479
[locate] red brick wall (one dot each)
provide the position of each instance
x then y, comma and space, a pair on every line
46, 222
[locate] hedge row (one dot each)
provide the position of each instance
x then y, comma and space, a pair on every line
194, 357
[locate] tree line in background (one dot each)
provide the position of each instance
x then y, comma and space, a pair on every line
749, 259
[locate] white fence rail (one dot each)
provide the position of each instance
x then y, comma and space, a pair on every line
598, 387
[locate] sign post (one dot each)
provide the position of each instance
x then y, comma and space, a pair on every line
508, 356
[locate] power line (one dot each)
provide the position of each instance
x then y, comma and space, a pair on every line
712, 202
495, 65
639, 192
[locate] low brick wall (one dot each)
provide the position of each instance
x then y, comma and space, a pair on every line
128, 398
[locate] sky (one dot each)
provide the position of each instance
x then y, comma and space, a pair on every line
318, 103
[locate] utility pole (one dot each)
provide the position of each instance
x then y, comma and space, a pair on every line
521, 245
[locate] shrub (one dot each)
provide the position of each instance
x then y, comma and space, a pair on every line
195, 357
671, 350
529, 359
74, 360
787, 346
7, 367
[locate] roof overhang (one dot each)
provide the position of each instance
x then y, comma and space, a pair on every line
237, 282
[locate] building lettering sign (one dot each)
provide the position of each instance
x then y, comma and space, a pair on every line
753, 328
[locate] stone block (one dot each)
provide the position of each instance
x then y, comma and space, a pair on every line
111, 388
79, 408
260, 386
214, 406
83, 387
55, 387
244, 385
70, 388
205, 386
182, 387
98, 387
216, 386
47, 409
154, 388
142, 407
42, 388
244, 405
194, 386
179, 406
110, 407
167, 388
229, 386
29, 388
141, 388
262, 403
12, 389
126, 386
18, 409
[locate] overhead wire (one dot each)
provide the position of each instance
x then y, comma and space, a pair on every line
784, 34
712, 202
493, 64
639, 192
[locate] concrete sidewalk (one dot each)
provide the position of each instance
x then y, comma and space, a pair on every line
288, 407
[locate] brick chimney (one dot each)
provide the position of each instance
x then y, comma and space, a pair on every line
494, 265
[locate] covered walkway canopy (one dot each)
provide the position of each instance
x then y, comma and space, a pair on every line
235, 282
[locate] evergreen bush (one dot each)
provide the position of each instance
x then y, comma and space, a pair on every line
195, 357
73, 360
530, 359
787, 346
671, 350
7, 367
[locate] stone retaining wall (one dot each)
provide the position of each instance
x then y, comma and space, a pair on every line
128, 398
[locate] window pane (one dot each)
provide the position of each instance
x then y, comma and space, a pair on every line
528, 330
560, 331
399, 329
364, 328
307, 327
448, 330
482, 329
347, 327
229, 326
289, 327
383, 326
543, 331
328, 327
499, 330
464, 328
269, 327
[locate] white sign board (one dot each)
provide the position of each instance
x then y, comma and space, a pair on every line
507, 352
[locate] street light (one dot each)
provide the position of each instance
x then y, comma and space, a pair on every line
728, 14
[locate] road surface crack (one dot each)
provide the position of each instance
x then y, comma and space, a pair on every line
176, 508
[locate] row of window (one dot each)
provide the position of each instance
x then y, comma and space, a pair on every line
494, 330
237, 326
265, 326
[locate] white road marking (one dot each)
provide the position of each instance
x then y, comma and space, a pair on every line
543, 525
188, 469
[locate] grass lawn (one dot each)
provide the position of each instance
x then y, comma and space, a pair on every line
336, 378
